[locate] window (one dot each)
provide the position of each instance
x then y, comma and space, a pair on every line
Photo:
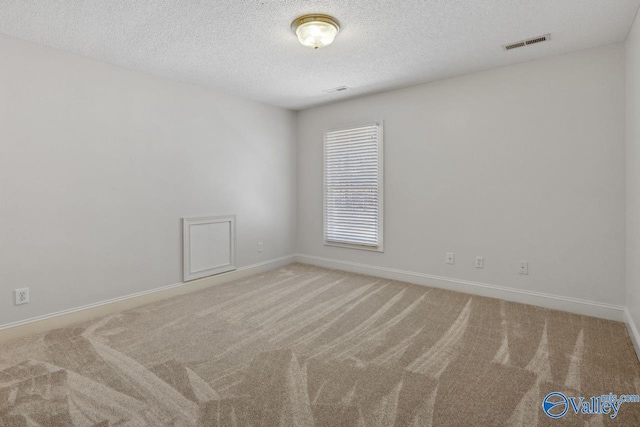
353, 187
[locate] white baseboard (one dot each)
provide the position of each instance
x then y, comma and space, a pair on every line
572, 305
86, 312
633, 331
79, 314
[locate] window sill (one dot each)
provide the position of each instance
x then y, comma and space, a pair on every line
354, 246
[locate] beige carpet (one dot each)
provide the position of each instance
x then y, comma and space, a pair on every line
305, 346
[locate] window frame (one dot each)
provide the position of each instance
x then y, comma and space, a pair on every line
380, 246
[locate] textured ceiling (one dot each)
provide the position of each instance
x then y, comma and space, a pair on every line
246, 47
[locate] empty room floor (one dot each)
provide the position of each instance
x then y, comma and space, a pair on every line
307, 346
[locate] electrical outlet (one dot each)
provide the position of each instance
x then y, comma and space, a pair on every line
450, 258
523, 267
22, 296
259, 246
479, 262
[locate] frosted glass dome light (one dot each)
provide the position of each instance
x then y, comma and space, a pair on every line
316, 31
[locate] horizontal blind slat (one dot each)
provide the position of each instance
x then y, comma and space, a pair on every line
352, 132
352, 240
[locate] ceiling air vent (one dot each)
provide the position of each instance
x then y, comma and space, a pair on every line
524, 43
336, 89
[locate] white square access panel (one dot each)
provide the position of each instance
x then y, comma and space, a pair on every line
209, 246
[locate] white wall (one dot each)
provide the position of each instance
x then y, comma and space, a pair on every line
633, 172
98, 164
524, 162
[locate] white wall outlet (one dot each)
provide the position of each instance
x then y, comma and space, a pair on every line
450, 258
22, 296
523, 267
479, 262
259, 246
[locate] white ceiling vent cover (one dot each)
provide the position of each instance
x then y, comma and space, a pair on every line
336, 89
527, 42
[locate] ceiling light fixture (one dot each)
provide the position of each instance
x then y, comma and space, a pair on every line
316, 30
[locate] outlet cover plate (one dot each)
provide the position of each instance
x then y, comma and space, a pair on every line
22, 296
523, 267
450, 258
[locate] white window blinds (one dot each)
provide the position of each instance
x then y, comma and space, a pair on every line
353, 187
